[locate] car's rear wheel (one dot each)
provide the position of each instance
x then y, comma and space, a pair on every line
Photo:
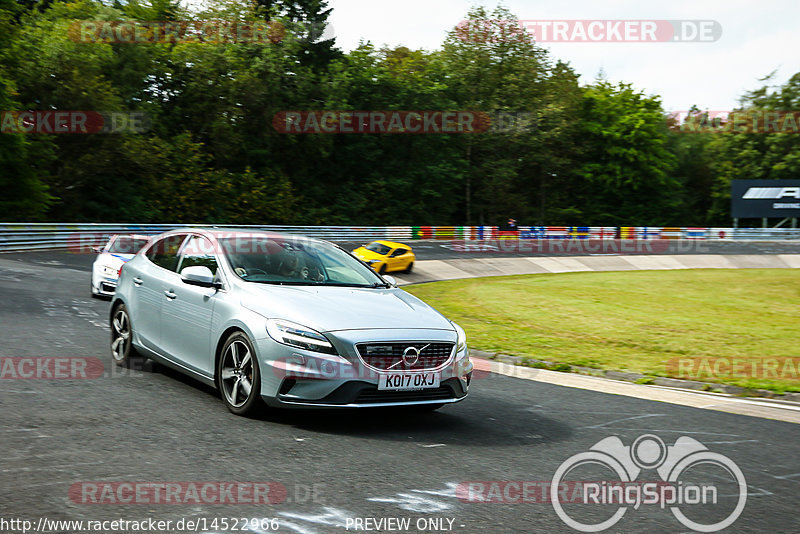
409, 268
239, 377
121, 332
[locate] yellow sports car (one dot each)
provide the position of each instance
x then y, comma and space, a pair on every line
386, 256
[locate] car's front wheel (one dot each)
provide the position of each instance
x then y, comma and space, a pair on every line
121, 349
239, 377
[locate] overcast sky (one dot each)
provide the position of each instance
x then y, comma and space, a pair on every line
757, 38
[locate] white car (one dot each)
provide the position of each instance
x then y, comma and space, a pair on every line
110, 258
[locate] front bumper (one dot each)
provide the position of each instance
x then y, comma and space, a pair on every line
293, 377
357, 394
106, 287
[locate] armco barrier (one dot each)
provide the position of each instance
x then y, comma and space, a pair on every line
45, 236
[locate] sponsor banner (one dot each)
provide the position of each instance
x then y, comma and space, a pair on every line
695, 233
556, 232
648, 232
725, 234
765, 198
603, 232
565, 247
578, 232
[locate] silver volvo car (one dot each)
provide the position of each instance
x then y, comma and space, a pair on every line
285, 321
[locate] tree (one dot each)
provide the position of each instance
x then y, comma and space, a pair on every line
626, 167
24, 195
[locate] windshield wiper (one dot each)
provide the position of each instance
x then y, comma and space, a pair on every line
316, 283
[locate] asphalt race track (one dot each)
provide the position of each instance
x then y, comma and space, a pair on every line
452, 250
152, 425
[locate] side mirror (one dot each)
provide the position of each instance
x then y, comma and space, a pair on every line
390, 279
97, 250
198, 275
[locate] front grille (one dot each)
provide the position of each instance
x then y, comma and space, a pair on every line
374, 396
389, 356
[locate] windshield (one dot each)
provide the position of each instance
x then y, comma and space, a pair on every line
126, 245
377, 247
295, 261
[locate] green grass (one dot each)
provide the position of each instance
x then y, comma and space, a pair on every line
640, 321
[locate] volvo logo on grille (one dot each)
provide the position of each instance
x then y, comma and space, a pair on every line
411, 356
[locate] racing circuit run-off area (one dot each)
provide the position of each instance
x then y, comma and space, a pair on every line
333, 267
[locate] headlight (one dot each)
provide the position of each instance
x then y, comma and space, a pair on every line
461, 341
373, 262
109, 270
299, 336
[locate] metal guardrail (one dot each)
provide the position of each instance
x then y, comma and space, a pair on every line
82, 237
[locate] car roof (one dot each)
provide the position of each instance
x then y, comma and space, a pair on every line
134, 236
392, 244
218, 232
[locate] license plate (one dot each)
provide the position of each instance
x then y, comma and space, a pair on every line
408, 381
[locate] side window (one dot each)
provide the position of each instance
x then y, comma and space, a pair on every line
198, 251
164, 252
398, 252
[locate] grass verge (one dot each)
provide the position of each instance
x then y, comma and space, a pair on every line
738, 327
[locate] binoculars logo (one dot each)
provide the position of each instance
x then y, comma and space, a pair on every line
648, 452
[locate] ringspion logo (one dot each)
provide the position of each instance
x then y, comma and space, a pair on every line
677, 490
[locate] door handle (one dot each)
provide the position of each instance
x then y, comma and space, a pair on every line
138, 281
170, 294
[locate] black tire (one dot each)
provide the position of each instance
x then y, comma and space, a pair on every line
409, 268
121, 334
238, 375
382, 270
